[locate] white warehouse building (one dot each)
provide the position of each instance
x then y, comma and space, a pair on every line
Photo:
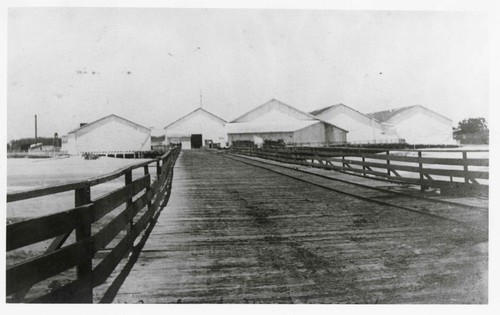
417, 125
277, 121
362, 128
198, 129
108, 134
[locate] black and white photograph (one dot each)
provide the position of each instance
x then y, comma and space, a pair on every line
212, 153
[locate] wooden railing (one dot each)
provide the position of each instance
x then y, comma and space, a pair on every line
143, 199
451, 174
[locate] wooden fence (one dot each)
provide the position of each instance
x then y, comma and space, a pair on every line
143, 199
436, 168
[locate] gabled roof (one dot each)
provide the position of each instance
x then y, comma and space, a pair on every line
278, 103
324, 109
195, 111
104, 119
332, 107
387, 115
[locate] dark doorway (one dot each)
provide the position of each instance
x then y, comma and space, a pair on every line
196, 141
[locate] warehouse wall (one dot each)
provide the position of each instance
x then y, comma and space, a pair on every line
112, 136
311, 134
422, 127
361, 128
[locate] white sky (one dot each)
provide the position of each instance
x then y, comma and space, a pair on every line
150, 64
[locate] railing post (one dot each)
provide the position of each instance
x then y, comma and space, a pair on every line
420, 170
148, 186
83, 232
388, 165
164, 161
128, 181
363, 159
158, 169
466, 167
170, 173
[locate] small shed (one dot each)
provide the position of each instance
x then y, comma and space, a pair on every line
277, 121
198, 129
106, 135
362, 128
36, 147
417, 125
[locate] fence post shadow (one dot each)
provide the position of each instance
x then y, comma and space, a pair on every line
117, 283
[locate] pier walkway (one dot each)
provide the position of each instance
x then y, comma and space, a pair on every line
237, 233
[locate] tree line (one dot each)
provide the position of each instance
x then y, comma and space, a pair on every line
24, 143
473, 125
472, 131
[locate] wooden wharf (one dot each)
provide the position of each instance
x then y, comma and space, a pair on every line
236, 233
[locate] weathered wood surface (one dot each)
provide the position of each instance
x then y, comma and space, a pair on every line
473, 216
381, 184
234, 233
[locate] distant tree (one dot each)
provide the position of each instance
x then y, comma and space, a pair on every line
473, 125
8, 146
472, 131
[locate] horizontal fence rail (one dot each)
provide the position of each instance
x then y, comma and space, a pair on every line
453, 171
143, 199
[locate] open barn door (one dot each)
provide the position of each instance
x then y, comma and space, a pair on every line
196, 141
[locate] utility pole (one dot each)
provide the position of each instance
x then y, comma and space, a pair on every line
36, 135
201, 100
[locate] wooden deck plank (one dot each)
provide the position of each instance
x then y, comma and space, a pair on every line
233, 233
